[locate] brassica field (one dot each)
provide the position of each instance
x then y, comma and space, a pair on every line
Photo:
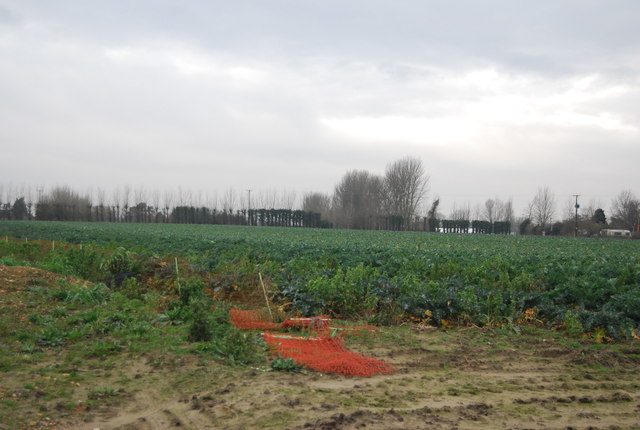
581, 285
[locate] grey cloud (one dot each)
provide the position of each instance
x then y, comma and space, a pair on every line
235, 93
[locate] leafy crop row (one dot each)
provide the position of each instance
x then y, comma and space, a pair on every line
385, 276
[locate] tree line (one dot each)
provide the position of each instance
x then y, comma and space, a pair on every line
65, 204
395, 200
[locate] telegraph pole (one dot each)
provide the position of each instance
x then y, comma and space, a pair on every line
249, 211
577, 206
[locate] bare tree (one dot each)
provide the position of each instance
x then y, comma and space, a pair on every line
357, 200
589, 210
212, 201
115, 202
490, 207
229, 201
543, 206
101, 198
316, 202
287, 199
460, 213
405, 185
126, 200
266, 199
185, 197
167, 201
63, 204
506, 213
625, 210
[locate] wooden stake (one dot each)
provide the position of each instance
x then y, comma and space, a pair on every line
266, 299
177, 274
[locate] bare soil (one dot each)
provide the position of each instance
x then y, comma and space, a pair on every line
463, 378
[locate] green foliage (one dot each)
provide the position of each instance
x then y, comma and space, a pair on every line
346, 294
282, 364
202, 326
572, 324
102, 393
132, 289
103, 348
121, 265
223, 339
237, 347
385, 276
74, 294
191, 289
51, 336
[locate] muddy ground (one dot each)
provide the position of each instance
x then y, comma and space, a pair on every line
462, 378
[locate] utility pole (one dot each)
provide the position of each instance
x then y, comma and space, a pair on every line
249, 210
577, 206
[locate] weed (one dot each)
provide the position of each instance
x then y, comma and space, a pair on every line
6, 364
28, 347
101, 393
132, 289
80, 294
23, 335
120, 266
35, 318
235, 346
201, 327
103, 348
51, 337
77, 334
285, 365
572, 324
59, 312
176, 315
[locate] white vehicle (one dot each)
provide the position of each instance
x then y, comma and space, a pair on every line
615, 233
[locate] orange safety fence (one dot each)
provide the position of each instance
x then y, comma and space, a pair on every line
317, 323
322, 352
251, 320
254, 320
325, 354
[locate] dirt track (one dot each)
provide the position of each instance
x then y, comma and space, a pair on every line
466, 379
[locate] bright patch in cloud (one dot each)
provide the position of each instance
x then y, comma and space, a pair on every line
403, 129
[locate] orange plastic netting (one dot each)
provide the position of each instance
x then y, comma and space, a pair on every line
254, 320
322, 352
251, 320
325, 354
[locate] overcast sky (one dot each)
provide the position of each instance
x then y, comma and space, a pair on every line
496, 97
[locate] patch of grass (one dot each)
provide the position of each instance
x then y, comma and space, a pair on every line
28, 347
59, 312
51, 336
5, 326
103, 348
23, 335
6, 364
35, 318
